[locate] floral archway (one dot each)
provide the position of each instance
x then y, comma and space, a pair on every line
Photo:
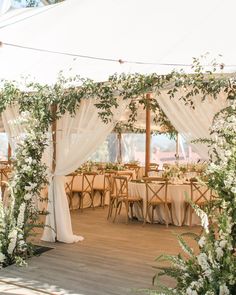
37, 113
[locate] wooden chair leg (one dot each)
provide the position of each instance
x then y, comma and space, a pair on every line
153, 208
91, 194
131, 210
185, 213
102, 199
116, 208
127, 211
120, 207
140, 204
146, 215
166, 215
190, 215
110, 207
82, 203
171, 216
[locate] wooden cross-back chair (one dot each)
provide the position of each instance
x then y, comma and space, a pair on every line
153, 169
120, 196
82, 185
68, 187
134, 167
156, 194
105, 188
128, 174
200, 195
154, 166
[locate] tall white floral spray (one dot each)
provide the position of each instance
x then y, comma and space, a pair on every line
212, 271
29, 176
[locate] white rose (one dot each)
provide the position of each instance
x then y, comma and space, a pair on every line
219, 253
223, 243
202, 260
27, 196
202, 241
189, 291
2, 257
224, 290
233, 189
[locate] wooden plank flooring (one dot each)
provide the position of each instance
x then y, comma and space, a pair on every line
114, 258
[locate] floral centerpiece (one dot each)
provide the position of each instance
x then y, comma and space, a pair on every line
183, 172
114, 166
87, 167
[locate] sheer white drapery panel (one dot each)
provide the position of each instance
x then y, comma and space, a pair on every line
77, 138
15, 129
12, 125
192, 123
4, 6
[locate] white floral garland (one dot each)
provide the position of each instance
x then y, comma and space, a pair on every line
25, 186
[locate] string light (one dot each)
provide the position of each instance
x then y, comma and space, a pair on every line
120, 61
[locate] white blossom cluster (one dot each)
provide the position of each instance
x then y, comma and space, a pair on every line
213, 270
28, 176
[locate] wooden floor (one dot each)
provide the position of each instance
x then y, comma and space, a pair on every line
114, 259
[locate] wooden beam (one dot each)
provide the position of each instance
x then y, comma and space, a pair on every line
9, 154
177, 148
119, 156
54, 136
148, 134
54, 156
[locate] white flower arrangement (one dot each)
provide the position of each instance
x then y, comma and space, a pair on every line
213, 270
19, 217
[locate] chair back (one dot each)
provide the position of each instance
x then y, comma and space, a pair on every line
156, 190
69, 183
165, 166
77, 182
200, 192
128, 174
100, 170
120, 186
153, 166
134, 167
88, 181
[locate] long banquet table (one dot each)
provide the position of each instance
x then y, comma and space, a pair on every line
98, 184
176, 194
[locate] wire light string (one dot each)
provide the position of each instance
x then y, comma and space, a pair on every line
120, 61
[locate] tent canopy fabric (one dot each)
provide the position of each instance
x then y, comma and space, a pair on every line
152, 32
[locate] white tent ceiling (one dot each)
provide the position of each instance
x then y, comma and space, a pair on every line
149, 31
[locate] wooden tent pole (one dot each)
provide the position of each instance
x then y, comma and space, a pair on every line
177, 148
119, 158
148, 134
9, 154
54, 156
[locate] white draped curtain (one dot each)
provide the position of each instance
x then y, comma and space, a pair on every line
192, 123
12, 126
77, 138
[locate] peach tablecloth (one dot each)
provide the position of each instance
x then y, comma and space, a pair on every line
98, 184
176, 194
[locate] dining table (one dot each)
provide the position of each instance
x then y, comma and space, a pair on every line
97, 185
177, 194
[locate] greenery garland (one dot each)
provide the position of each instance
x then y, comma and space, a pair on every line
21, 215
